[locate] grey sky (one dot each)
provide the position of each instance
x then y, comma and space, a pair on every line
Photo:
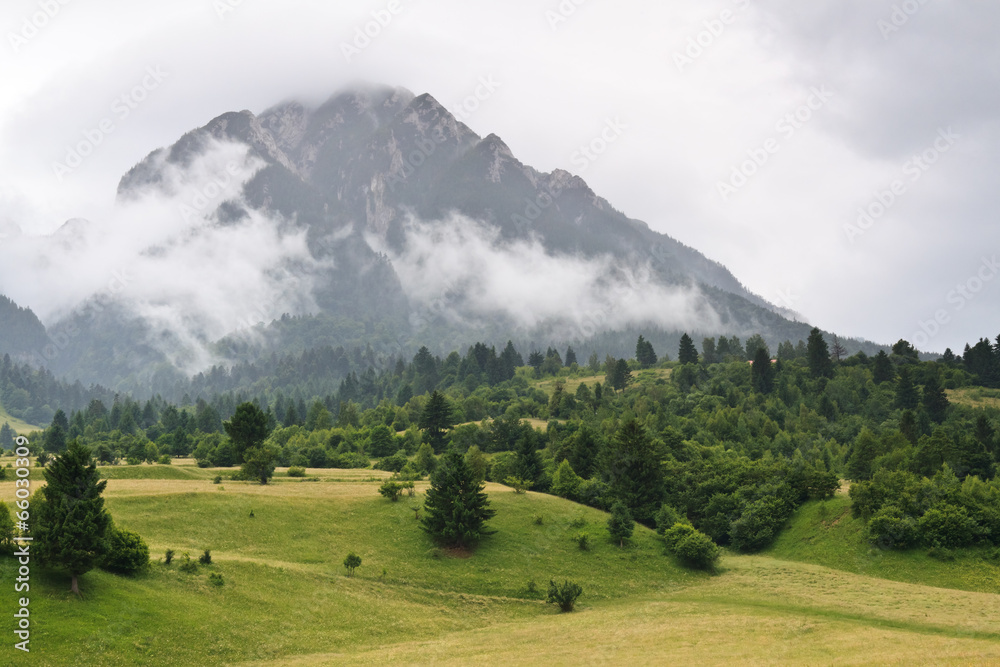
832, 97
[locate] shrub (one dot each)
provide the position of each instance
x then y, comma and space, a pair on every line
537, 519
215, 579
206, 558
697, 550
564, 595
217, 480
759, 523
164, 459
666, 518
393, 463
391, 490
296, 471
531, 589
673, 535
620, 523
352, 562
582, 541
6, 530
169, 556
188, 565
889, 528
948, 526
578, 522
519, 485
127, 552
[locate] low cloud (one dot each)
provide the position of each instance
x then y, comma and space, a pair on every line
168, 257
459, 269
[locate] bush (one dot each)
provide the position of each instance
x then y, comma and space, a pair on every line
164, 459
537, 519
391, 490
889, 528
217, 480
519, 485
759, 523
296, 471
215, 579
352, 562
206, 558
393, 463
564, 595
127, 552
948, 526
582, 541
697, 550
168, 557
188, 565
666, 518
675, 534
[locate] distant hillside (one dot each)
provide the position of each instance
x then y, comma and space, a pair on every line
21, 332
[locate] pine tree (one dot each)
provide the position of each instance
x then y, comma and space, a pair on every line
820, 364
631, 466
907, 397
644, 353
761, 372
436, 420
456, 509
570, 356
71, 523
687, 353
935, 400
620, 523
882, 370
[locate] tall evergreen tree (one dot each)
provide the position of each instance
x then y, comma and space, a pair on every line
7, 436
708, 352
761, 372
456, 509
71, 523
818, 353
907, 395
570, 356
436, 420
644, 352
620, 523
631, 466
687, 353
935, 400
882, 370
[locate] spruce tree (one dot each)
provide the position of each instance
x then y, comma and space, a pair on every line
935, 400
620, 523
761, 372
456, 509
248, 428
882, 370
436, 420
630, 464
71, 523
687, 353
907, 396
818, 353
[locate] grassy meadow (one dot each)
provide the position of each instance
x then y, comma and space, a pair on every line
819, 595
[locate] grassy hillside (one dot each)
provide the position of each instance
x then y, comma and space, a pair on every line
825, 533
287, 601
20, 426
975, 397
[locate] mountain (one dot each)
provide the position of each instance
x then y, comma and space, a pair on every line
21, 332
418, 231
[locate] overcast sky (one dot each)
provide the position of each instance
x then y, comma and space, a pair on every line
754, 131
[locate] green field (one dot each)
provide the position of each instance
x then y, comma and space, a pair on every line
20, 426
818, 596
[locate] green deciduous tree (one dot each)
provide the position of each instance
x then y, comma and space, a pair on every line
247, 429
351, 563
127, 552
456, 509
72, 524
